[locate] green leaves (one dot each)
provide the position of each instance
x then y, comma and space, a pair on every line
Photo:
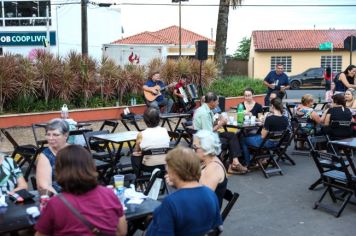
243, 52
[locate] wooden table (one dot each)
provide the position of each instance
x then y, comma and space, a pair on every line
167, 118
347, 143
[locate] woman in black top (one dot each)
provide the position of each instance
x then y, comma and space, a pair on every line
346, 79
338, 112
251, 107
213, 175
274, 122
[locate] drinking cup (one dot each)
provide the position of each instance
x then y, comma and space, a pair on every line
231, 119
253, 120
119, 181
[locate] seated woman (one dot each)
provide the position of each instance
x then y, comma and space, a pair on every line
251, 107
350, 99
306, 111
154, 136
346, 79
274, 122
213, 174
338, 112
11, 179
191, 210
76, 173
57, 132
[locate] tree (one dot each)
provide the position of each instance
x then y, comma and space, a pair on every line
243, 52
221, 31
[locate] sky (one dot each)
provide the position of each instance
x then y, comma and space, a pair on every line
242, 20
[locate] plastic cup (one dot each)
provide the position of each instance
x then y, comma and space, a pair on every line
253, 120
247, 118
119, 181
231, 119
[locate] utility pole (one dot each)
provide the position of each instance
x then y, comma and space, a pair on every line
84, 28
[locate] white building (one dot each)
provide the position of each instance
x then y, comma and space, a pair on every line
23, 26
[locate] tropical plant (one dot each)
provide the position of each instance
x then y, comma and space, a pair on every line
109, 73
8, 70
243, 51
154, 65
88, 74
27, 81
49, 72
221, 32
169, 71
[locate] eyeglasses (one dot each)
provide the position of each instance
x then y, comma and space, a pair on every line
195, 147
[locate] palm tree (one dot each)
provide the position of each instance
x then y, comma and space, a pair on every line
221, 31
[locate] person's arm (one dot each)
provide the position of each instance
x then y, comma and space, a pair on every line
210, 177
271, 86
315, 117
342, 78
327, 120
323, 117
175, 93
353, 105
21, 184
137, 150
264, 133
121, 226
44, 174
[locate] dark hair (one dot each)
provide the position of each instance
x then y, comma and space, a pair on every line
210, 97
184, 76
350, 67
75, 170
279, 64
277, 104
249, 90
339, 99
153, 73
328, 71
151, 117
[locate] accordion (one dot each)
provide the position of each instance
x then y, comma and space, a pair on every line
192, 91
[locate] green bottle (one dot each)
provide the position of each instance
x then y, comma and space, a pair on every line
240, 114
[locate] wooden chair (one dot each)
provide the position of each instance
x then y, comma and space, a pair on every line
109, 125
26, 152
281, 152
341, 180
265, 157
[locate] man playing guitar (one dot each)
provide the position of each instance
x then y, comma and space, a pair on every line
152, 91
181, 93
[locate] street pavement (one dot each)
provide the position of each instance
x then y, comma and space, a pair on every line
299, 93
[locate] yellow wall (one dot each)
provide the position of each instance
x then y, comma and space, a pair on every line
301, 61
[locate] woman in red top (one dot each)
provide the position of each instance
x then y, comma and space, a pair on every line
327, 76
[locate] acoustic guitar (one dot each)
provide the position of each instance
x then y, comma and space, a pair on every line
150, 96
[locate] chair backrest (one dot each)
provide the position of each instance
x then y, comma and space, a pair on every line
340, 128
290, 109
38, 131
318, 143
10, 138
159, 174
88, 136
231, 199
109, 125
276, 136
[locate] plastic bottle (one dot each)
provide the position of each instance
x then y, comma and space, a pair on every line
120, 193
64, 111
134, 100
240, 114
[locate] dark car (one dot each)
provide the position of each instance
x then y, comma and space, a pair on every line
313, 77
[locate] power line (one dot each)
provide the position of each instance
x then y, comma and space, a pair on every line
244, 5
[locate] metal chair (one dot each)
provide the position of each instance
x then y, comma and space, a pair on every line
109, 125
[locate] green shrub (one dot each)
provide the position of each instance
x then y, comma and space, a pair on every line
235, 85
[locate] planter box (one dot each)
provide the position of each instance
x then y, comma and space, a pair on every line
106, 113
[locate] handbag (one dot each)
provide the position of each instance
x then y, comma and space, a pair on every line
75, 212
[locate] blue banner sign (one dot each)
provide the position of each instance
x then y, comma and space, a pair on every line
26, 38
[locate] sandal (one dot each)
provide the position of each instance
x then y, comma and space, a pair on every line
237, 169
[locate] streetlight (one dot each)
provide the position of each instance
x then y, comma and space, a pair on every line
180, 24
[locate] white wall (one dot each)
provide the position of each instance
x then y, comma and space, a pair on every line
120, 53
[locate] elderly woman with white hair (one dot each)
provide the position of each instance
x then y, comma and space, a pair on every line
213, 175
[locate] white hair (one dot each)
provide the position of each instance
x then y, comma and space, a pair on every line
209, 142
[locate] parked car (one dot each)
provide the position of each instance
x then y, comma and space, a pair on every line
313, 77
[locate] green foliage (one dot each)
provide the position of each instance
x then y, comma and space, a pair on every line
235, 85
243, 52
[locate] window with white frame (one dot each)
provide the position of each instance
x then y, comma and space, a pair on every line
336, 63
285, 60
24, 13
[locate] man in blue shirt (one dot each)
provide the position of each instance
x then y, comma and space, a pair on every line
152, 90
277, 81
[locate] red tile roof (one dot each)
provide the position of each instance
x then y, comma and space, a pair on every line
291, 40
168, 35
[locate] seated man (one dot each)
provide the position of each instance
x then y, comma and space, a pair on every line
152, 91
180, 91
203, 119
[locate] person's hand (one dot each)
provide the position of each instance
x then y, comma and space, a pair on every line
168, 181
283, 88
222, 121
137, 154
248, 113
272, 86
